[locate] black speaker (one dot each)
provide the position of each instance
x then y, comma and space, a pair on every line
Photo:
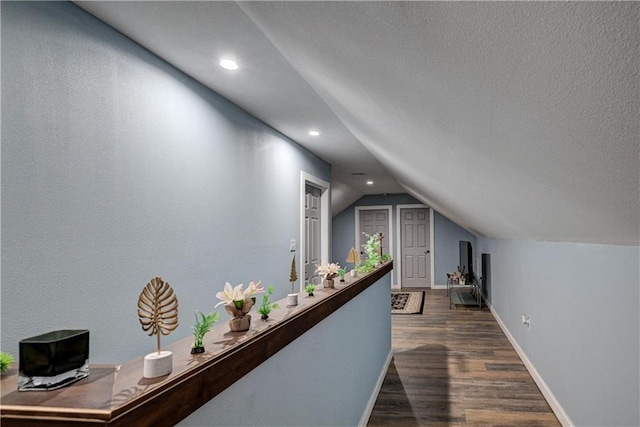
466, 258
486, 276
53, 360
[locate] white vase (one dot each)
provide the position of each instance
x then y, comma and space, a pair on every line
354, 273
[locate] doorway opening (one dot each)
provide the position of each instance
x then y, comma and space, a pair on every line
415, 258
315, 208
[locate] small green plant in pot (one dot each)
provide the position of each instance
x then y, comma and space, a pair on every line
6, 360
309, 289
267, 306
204, 322
341, 273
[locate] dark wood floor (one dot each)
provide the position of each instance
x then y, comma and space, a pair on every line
456, 367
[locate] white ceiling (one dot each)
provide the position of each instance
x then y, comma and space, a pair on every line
513, 119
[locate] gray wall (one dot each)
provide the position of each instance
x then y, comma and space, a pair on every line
447, 234
324, 378
583, 300
117, 168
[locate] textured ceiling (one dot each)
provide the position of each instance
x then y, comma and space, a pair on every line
515, 120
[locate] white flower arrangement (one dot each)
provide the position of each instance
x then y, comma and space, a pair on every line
328, 271
238, 302
458, 276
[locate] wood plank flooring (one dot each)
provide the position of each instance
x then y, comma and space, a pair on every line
456, 368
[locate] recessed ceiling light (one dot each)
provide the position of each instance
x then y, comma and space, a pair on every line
369, 182
229, 64
314, 133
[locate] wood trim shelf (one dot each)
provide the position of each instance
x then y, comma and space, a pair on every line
120, 396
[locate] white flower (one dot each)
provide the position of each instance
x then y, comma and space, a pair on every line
230, 294
328, 271
237, 302
253, 289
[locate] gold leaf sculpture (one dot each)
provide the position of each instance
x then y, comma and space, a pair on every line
293, 276
158, 308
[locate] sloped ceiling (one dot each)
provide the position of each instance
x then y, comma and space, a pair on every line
515, 120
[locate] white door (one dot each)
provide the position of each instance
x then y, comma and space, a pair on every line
374, 222
312, 226
415, 247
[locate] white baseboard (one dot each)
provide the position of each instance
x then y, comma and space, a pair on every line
439, 287
376, 390
557, 409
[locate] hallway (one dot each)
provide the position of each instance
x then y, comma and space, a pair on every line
456, 367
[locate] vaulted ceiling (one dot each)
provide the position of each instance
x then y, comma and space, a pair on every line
513, 119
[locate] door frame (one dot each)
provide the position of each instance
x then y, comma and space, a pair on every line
431, 241
325, 223
388, 208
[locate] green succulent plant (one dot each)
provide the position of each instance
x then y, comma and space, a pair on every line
6, 360
267, 306
204, 322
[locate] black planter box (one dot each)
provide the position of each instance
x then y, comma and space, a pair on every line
54, 359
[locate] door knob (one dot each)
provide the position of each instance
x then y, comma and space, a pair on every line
427, 252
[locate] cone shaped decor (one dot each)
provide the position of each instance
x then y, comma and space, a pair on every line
292, 298
293, 275
158, 313
353, 258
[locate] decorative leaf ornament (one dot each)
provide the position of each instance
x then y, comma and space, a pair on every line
293, 276
158, 308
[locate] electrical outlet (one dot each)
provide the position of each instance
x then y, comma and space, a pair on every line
526, 320
292, 246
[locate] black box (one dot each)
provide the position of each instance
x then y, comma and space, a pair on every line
46, 358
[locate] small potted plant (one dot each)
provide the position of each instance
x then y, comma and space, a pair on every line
6, 360
204, 322
309, 289
341, 273
267, 306
328, 272
457, 276
238, 302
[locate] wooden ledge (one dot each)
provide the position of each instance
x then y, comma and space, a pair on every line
120, 396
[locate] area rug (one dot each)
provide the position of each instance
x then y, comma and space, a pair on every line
404, 302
